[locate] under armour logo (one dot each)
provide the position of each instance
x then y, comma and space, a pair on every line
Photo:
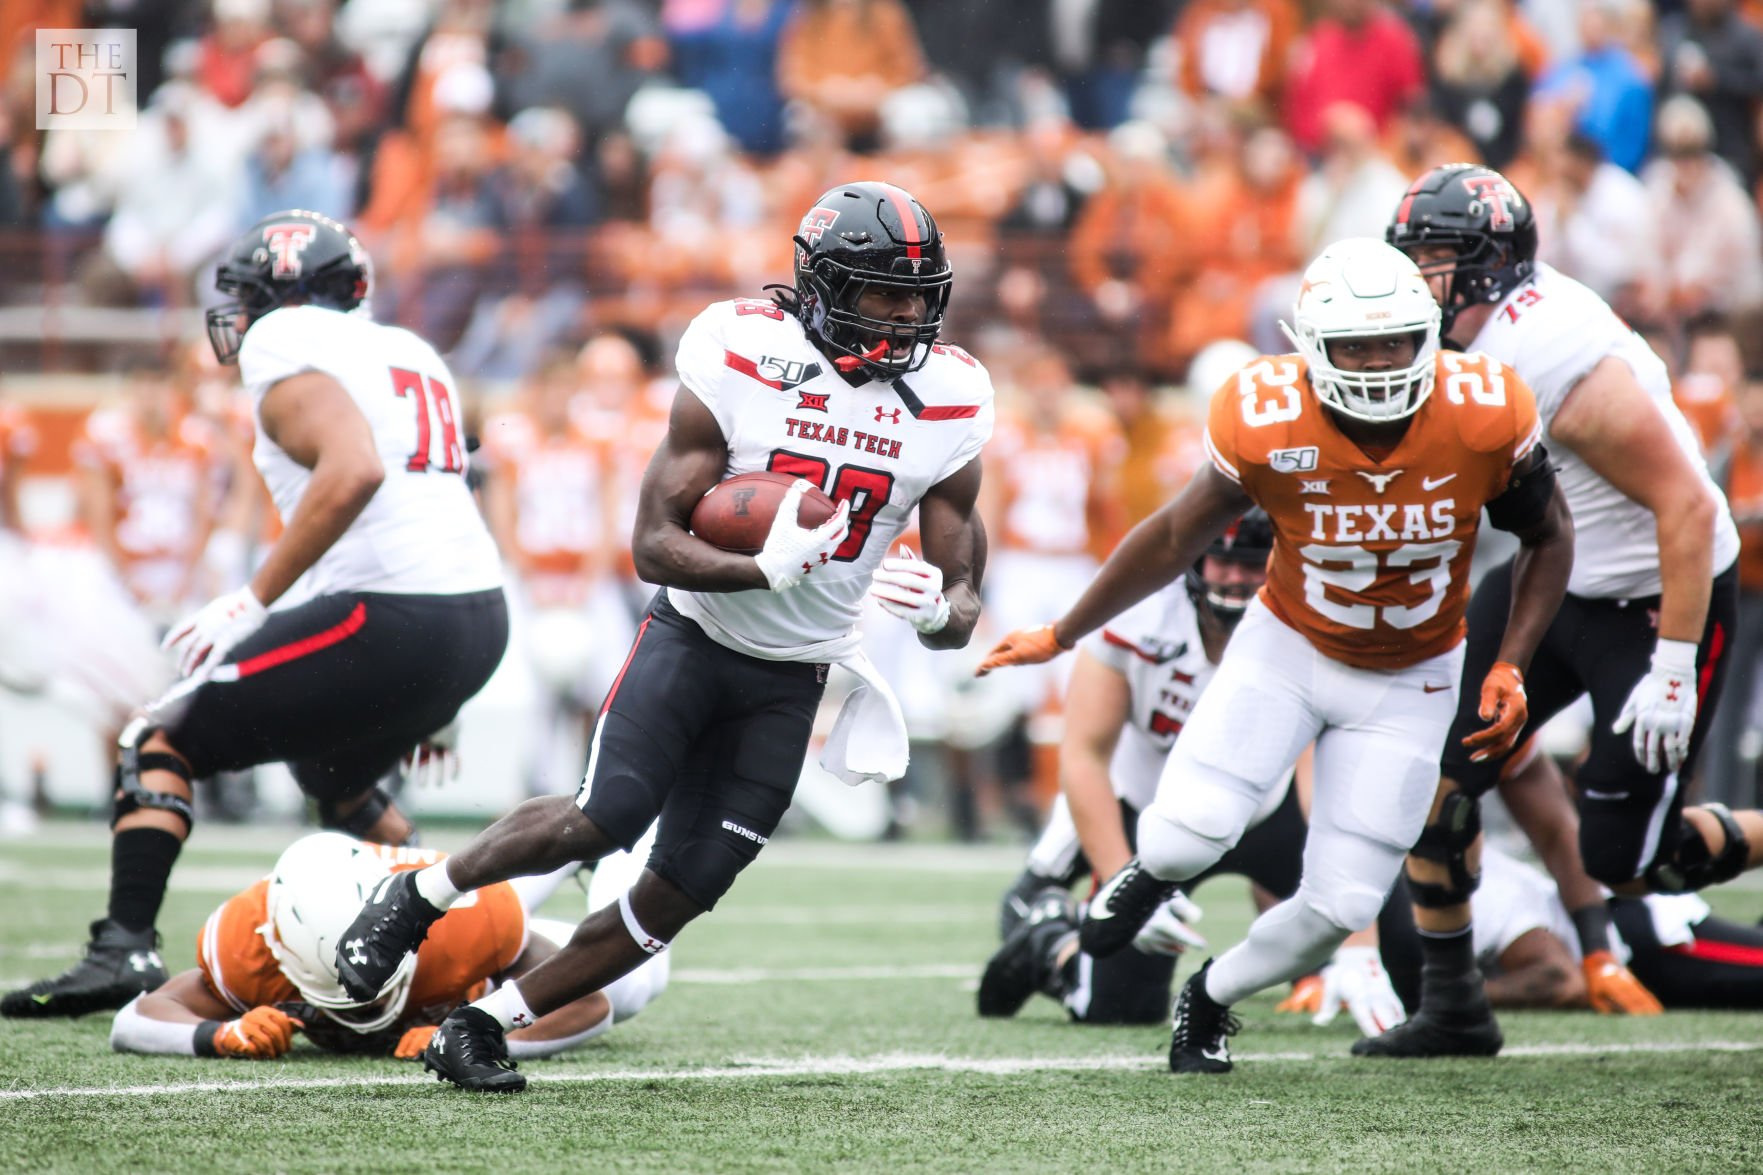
1672, 685
143, 960
808, 565
357, 956
520, 1019
653, 946
882, 414
1314, 487
1380, 481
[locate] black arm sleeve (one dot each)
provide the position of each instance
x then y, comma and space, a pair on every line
1526, 497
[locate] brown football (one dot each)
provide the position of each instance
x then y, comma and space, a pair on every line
736, 514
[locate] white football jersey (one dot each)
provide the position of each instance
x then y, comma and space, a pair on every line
1552, 330
421, 533
1515, 898
1156, 646
881, 445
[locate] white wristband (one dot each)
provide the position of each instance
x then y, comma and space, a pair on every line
1677, 657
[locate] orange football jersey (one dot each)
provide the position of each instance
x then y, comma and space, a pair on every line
1371, 557
1058, 495
561, 517
479, 936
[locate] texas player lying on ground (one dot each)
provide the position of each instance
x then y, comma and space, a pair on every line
1375, 483
264, 965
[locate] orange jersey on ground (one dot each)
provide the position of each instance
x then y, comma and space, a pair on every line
1058, 483
1371, 557
480, 936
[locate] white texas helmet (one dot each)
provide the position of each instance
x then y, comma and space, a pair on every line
1361, 287
317, 887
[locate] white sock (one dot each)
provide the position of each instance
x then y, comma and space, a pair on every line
508, 1006
436, 888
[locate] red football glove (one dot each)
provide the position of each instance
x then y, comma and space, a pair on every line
1504, 708
259, 1035
1025, 646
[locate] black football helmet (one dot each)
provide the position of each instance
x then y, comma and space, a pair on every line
1476, 211
289, 258
864, 236
1249, 541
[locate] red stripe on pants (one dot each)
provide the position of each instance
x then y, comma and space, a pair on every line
294, 650
1721, 952
623, 669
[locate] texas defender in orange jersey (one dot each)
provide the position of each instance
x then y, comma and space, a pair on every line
1374, 456
263, 968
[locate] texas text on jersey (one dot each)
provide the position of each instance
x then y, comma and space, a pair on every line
1371, 558
421, 533
1556, 330
783, 406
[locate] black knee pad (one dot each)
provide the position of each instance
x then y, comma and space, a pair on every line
1693, 865
131, 796
1446, 841
361, 821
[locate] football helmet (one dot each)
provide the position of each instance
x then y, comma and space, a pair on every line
1248, 541
864, 236
318, 885
288, 258
1477, 212
1362, 288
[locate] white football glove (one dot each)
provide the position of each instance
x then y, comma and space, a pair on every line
1355, 980
203, 639
435, 760
1662, 708
1167, 931
791, 550
912, 589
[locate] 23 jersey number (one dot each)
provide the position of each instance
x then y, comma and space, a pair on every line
1353, 568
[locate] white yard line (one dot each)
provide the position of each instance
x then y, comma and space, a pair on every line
836, 1066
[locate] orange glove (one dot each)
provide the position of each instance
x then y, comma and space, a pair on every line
1025, 646
1613, 989
412, 1043
1306, 997
1504, 708
259, 1035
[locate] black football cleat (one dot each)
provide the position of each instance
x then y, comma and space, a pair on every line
119, 964
1467, 1032
1121, 908
1024, 964
470, 1050
1200, 1042
392, 924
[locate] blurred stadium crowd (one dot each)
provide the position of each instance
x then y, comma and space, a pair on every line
551, 189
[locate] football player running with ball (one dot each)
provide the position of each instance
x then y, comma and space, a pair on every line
1650, 608
385, 588
841, 382
1374, 454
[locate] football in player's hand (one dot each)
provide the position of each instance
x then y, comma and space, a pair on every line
736, 514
